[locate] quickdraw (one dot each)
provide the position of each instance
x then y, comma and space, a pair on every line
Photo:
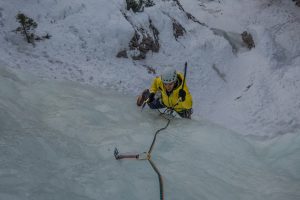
141, 156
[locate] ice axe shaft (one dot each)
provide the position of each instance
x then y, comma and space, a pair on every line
185, 69
144, 104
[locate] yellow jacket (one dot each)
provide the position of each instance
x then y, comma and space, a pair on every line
170, 101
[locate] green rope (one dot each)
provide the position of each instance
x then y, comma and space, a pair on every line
154, 139
148, 154
161, 185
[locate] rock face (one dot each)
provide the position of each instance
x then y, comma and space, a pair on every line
135, 5
143, 43
145, 39
138, 5
248, 40
178, 29
297, 2
146, 36
122, 54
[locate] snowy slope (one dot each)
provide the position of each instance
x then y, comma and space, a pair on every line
57, 141
258, 93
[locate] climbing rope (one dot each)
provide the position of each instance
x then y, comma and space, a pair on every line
161, 185
154, 139
147, 155
160, 179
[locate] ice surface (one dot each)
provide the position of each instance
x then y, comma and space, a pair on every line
57, 141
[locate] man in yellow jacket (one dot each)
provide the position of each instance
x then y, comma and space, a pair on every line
172, 95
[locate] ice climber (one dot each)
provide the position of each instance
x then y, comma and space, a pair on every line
166, 91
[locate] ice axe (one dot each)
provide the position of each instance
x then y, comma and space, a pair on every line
144, 104
185, 69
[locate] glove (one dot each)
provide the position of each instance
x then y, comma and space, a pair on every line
182, 94
151, 97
